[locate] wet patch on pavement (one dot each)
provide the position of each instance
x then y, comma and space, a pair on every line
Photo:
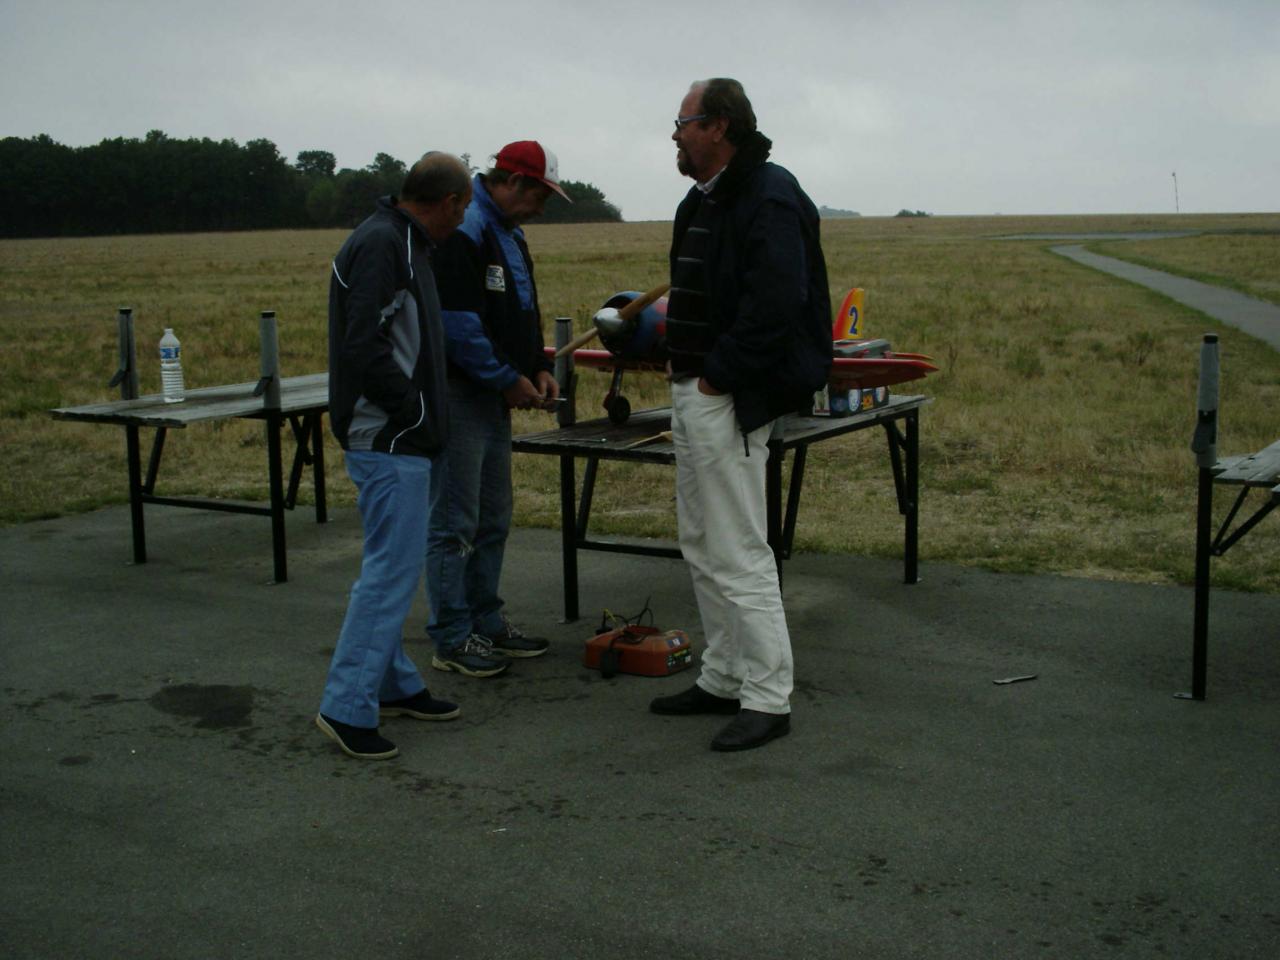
215, 706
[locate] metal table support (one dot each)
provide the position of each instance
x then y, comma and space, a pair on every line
301, 401
1259, 471
639, 441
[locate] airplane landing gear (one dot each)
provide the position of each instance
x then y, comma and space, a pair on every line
615, 404
618, 407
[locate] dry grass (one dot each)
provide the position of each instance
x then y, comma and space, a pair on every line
1058, 440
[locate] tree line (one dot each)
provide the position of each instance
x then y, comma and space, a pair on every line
164, 185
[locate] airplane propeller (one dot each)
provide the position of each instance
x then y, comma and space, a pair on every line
613, 318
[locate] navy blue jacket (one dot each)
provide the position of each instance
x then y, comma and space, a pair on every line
493, 327
766, 283
386, 340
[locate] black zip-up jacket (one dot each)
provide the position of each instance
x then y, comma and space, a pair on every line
386, 341
769, 309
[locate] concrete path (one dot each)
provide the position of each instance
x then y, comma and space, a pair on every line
1131, 235
1253, 316
163, 793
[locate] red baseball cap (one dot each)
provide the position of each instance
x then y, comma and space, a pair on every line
532, 159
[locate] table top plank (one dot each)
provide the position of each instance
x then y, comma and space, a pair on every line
1261, 469
606, 439
797, 430
638, 438
307, 392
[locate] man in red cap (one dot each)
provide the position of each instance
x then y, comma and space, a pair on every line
493, 342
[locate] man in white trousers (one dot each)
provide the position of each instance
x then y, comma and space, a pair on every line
749, 336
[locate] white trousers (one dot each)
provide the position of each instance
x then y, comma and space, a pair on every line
720, 507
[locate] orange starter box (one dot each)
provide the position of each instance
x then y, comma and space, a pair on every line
644, 651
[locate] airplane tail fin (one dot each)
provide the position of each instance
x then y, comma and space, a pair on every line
848, 322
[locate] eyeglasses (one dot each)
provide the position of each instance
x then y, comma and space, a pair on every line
682, 122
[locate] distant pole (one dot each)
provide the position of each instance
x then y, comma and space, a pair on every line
1176, 208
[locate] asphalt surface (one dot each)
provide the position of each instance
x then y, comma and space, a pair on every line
165, 794
1105, 235
1255, 317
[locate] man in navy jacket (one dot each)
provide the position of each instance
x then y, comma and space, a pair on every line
387, 409
749, 338
493, 338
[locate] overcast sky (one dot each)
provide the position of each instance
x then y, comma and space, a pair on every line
954, 108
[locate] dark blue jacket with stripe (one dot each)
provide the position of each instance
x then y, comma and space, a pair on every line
386, 339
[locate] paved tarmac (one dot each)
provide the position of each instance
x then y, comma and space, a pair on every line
1255, 317
1105, 235
164, 793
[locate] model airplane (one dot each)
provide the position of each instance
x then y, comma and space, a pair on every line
632, 326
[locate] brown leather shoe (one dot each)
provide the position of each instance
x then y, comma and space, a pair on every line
751, 728
693, 700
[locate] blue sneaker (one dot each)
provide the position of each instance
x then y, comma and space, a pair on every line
474, 657
510, 642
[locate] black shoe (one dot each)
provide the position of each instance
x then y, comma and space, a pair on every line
421, 706
511, 642
693, 700
751, 728
363, 743
474, 658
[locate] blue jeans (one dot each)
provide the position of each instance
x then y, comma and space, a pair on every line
470, 517
369, 663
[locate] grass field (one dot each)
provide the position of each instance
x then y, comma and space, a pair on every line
1058, 441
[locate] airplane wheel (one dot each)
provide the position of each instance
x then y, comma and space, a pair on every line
619, 410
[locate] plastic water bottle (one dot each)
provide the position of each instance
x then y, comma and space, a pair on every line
171, 367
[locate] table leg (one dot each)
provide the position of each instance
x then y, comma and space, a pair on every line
134, 456
773, 503
569, 539
153, 464
910, 548
798, 457
276, 479
317, 465
1200, 620
584, 504
301, 457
